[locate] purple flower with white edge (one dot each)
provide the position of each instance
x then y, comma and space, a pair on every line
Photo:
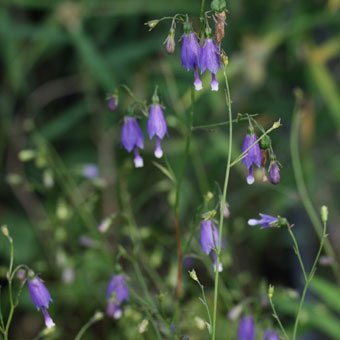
266, 221
190, 54
270, 335
157, 125
210, 59
209, 240
274, 173
132, 138
117, 292
253, 155
246, 328
40, 297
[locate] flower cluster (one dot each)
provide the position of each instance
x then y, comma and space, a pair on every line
255, 154
247, 330
132, 136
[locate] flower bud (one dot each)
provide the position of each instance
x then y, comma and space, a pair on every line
193, 275
152, 24
324, 214
265, 142
170, 42
274, 173
112, 102
270, 292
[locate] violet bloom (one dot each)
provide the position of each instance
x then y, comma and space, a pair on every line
209, 240
252, 157
190, 56
266, 221
274, 173
270, 335
117, 292
112, 103
246, 328
210, 60
157, 127
41, 298
90, 171
132, 138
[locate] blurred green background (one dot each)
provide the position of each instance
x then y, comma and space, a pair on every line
59, 61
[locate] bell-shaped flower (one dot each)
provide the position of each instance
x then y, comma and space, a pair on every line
246, 328
209, 240
157, 127
252, 157
117, 292
190, 56
266, 221
132, 138
210, 60
40, 297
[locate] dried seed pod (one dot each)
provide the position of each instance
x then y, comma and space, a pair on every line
219, 26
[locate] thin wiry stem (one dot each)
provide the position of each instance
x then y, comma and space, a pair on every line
222, 205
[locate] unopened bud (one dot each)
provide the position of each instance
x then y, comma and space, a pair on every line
5, 231
324, 214
270, 292
112, 102
170, 42
193, 275
26, 155
98, 316
224, 59
277, 124
152, 24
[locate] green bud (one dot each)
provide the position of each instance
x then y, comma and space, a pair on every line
152, 24
209, 215
5, 231
324, 214
277, 124
282, 221
218, 5
193, 275
98, 316
270, 292
265, 142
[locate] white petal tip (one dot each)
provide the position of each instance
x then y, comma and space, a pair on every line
214, 87
158, 153
117, 314
139, 162
198, 87
252, 222
250, 180
220, 267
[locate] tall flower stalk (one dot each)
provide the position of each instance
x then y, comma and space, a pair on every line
223, 202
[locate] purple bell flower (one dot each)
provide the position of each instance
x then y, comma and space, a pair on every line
210, 60
270, 335
266, 221
209, 240
253, 156
190, 56
246, 328
117, 292
274, 173
132, 138
41, 298
157, 127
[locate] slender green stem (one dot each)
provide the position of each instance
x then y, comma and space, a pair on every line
275, 315
309, 279
222, 204
297, 252
205, 304
96, 317
302, 189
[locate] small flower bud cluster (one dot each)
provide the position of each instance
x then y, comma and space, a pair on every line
256, 153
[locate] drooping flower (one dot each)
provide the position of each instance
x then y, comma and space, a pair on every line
157, 127
210, 60
209, 240
252, 157
266, 221
246, 328
117, 292
90, 171
132, 138
274, 173
40, 297
190, 54
270, 335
